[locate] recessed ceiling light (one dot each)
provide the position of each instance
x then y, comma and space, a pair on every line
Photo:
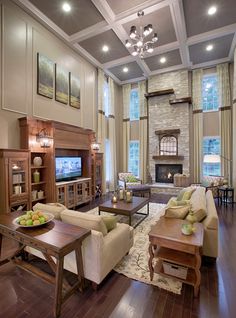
125, 69
212, 10
163, 60
66, 7
105, 48
209, 47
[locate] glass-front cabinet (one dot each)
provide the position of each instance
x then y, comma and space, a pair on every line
14, 170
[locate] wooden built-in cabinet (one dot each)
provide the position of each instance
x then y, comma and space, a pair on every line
74, 193
97, 171
14, 180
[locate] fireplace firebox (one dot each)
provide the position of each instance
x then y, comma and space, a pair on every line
165, 172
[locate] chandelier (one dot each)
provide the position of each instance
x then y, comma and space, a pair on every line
139, 42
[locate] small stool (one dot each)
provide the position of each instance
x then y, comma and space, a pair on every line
140, 190
225, 195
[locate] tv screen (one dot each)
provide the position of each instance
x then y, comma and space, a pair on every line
68, 168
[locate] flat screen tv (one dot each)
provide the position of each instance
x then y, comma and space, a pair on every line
68, 168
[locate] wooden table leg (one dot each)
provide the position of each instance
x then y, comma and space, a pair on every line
80, 267
0, 245
150, 261
58, 287
198, 274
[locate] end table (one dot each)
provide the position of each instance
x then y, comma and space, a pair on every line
225, 195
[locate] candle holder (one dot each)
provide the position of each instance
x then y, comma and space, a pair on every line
121, 194
114, 198
128, 196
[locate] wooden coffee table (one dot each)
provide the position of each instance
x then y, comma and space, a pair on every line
167, 243
55, 239
127, 209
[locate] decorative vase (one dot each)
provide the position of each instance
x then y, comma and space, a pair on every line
191, 217
36, 176
37, 161
114, 198
128, 196
121, 194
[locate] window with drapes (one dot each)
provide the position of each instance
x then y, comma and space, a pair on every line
134, 157
134, 104
210, 92
211, 146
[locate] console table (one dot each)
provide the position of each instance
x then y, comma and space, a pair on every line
54, 239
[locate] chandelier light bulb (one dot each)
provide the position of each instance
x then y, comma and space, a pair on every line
150, 48
150, 29
139, 43
127, 43
134, 53
146, 31
155, 37
133, 32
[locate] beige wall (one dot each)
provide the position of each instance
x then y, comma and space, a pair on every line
22, 38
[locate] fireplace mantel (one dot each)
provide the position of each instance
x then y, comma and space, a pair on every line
166, 157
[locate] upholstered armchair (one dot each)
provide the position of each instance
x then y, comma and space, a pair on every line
212, 183
127, 178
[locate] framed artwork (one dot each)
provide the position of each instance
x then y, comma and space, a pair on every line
61, 86
74, 91
45, 74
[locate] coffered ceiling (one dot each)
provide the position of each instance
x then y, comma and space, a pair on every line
184, 30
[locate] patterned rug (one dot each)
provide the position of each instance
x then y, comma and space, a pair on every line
135, 264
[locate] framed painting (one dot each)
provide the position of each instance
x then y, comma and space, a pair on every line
74, 91
45, 75
61, 86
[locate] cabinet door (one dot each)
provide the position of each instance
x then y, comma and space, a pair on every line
70, 195
61, 195
18, 179
78, 193
86, 190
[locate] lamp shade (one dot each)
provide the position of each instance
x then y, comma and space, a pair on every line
211, 159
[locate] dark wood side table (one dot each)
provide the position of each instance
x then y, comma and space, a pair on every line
55, 239
167, 243
225, 195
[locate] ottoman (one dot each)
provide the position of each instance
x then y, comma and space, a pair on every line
140, 190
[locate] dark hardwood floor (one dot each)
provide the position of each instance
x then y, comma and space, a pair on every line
22, 295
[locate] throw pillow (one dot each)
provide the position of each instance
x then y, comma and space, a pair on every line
177, 212
131, 179
172, 202
198, 204
110, 222
187, 194
85, 220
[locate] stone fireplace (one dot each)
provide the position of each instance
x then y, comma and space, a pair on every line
164, 173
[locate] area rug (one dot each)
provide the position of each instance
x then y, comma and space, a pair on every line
135, 264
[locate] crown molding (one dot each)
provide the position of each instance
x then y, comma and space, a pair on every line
134, 80
168, 69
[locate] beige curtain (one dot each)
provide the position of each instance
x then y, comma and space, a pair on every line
225, 119
112, 137
234, 129
126, 125
101, 127
197, 124
143, 122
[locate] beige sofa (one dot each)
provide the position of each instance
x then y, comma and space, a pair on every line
101, 251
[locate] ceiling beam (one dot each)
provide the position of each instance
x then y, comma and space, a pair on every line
89, 32
210, 63
233, 46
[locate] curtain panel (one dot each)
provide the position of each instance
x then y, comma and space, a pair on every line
112, 137
225, 119
197, 124
101, 126
126, 89
143, 133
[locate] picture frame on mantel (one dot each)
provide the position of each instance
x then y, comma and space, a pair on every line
74, 88
45, 76
61, 85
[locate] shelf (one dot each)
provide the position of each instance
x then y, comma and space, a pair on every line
40, 167
36, 183
180, 100
167, 132
159, 93
177, 257
190, 279
166, 157
39, 199
21, 182
18, 171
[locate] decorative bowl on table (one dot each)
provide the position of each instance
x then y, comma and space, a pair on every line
33, 219
187, 229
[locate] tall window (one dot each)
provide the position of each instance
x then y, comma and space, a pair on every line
134, 157
210, 95
134, 104
211, 146
106, 97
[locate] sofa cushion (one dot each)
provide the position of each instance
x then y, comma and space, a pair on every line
185, 193
110, 221
177, 212
85, 220
53, 208
198, 204
174, 202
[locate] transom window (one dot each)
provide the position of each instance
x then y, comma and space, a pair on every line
211, 146
168, 146
134, 157
210, 95
134, 104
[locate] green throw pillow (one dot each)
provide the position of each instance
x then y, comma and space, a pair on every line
183, 202
180, 195
131, 179
110, 222
172, 202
